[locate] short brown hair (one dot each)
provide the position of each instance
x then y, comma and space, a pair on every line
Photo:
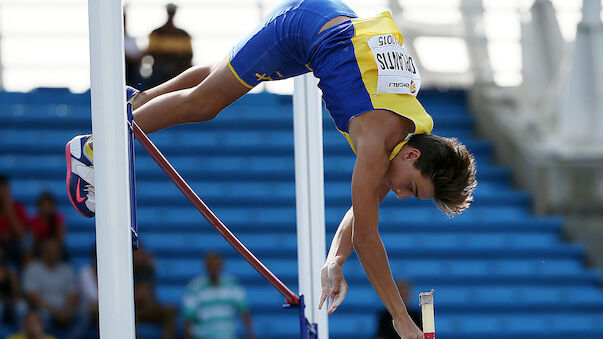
451, 168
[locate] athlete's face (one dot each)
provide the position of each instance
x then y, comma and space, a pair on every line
404, 179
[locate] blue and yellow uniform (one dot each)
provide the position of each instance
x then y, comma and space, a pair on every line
361, 63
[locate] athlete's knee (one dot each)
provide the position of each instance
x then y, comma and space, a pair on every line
205, 113
200, 112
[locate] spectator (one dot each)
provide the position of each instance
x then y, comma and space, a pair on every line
51, 287
32, 328
13, 222
170, 48
89, 291
211, 304
11, 304
133, 57
48, 223
148, 308
386, 329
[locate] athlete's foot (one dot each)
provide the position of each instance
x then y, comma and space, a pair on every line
80, 175
80, 170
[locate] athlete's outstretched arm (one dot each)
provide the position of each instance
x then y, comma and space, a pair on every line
333, 283
369, 173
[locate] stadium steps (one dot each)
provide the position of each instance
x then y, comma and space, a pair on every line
498, 270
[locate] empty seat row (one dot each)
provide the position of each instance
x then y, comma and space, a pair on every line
557, 271
222, 169
522, 325
403, 214
285, 216
212, 133
280, 109
245, 192
200, 144
333, 216
275, 244
254, 240
498, 271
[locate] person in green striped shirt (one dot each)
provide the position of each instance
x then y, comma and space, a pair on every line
211, 304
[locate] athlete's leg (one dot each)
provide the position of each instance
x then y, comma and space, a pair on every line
200, 103
199, 94
187, 79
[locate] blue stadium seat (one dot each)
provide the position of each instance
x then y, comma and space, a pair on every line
498, 270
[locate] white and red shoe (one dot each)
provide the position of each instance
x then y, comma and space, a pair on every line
80, 169
80, 175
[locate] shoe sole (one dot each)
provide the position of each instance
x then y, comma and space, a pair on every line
68, 179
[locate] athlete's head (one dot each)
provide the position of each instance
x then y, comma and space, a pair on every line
430, 166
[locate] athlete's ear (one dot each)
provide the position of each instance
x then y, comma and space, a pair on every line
411, 154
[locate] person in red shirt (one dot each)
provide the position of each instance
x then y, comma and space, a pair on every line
13, 222
48, 222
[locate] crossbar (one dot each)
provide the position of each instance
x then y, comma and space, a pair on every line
168, 169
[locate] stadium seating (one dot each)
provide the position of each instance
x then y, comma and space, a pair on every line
498, 270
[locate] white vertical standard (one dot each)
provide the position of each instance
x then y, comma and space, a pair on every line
309, 194
580, 114
111, 167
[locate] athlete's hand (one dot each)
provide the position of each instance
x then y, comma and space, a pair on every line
407, 329
334, 286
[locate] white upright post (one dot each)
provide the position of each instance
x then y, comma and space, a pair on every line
543, 51
111, 161
580, 115
309, 191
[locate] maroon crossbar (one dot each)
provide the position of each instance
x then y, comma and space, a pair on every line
291, 298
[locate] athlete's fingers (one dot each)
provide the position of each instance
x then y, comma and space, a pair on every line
332, 297
334, 303
325, 284
337, 301
323, 296
339, 297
